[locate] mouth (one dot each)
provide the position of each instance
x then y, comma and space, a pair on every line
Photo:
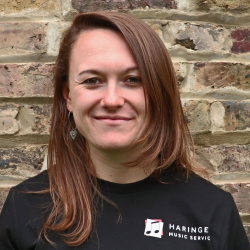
108, 117
112, 120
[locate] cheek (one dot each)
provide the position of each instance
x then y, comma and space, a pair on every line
83, 101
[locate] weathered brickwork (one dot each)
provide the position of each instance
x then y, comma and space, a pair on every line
237, 116
197, 37
209, 42
236, 7
25, 161
13, 7
8, 118
226, 158
55, 31
197, 115
219, 75
35, 119
26, 80
121, 5
25, 37
24, 119
241, 41
180, 73
206, 37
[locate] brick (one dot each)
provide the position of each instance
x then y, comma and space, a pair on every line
200, 37
34, 6
155, 25
226, 158
3, 196
237, 6
35, 119
55, 32
241, 41
8, 119
245, 219
217, 75
197, 114
217, 112
230, 116
43, 117
237, 115
25, 161
180, 74
121, 5
241, 194
203, 5
25, 119
22, 38
26, 80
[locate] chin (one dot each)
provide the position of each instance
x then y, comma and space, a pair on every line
114, 146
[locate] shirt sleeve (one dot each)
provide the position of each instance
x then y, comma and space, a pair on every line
236, 238
8, 240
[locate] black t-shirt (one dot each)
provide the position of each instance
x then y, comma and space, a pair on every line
178, 214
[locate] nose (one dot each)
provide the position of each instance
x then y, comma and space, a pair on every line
112, 97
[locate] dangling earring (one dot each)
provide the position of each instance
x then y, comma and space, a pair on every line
73, 132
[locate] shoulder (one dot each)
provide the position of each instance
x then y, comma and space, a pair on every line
29, 197
34, 184
24, 210
197, 202
30, 192
195, 188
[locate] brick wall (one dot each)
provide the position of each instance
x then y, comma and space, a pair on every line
209, 42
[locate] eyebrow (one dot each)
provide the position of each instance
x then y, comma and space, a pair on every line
95, 71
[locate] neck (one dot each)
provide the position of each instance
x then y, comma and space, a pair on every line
109, 166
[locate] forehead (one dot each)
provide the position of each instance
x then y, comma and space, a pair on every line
101, 48
96, 41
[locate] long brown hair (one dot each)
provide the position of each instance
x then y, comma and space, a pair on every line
73, 185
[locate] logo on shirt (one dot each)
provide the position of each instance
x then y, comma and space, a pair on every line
189, 233
154, 228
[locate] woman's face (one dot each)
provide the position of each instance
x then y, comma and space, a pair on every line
105, 91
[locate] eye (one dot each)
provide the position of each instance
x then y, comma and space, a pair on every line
92, 81
134, 80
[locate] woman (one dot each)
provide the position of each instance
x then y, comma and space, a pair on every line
120, 174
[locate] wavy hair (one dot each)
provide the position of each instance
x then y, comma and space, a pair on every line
73, 185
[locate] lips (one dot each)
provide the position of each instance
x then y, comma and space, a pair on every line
108, 117
112, 120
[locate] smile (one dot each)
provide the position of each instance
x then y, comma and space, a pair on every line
113, 120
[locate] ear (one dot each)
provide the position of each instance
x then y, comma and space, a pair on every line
66, 95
